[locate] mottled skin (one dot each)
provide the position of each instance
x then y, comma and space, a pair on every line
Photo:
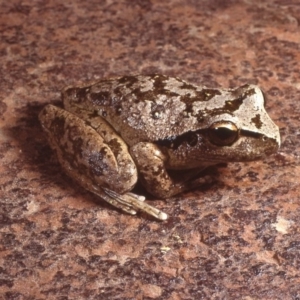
115, 131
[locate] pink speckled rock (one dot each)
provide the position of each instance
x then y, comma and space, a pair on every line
236, 239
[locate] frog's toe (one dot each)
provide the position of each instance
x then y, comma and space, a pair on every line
138, 197
131, 203
116, 200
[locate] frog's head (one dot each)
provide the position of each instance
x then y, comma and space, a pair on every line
244, 132
237, 128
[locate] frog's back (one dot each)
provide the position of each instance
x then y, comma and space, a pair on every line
147, 108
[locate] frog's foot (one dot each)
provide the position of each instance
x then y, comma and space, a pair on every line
129, 202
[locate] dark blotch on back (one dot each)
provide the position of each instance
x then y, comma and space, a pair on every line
160, 86
203, 95
243, 90
233, 105
128, 81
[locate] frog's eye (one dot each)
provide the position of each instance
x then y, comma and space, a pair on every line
223, 133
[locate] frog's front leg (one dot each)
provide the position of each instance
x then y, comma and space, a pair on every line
94, 155
158, 181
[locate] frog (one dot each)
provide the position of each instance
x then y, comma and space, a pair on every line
156, 129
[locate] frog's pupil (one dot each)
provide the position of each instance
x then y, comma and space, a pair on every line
223, 133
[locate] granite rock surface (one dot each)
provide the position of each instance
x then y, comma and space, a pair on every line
237, 238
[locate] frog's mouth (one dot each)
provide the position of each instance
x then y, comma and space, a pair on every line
248, 147
255, 135
256, 145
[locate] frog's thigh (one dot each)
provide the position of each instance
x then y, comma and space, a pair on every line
153, 173
86, 155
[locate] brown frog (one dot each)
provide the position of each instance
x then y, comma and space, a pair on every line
115, 131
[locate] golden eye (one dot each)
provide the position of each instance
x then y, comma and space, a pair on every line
223, 133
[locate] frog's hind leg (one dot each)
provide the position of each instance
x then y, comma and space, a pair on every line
95, 156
